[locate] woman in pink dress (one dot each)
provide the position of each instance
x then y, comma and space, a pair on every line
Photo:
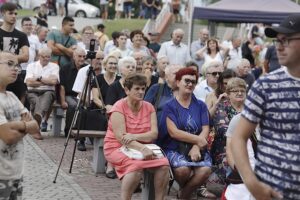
133, 123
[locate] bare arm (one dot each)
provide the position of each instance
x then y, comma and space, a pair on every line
200, 52
23, 56
56, 51
229, 155
239, 152
65, 50
96, 98
180, 135
62, 94
12, 132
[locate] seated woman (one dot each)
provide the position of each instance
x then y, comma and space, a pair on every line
133, 123
225, 111
183, 129
213, 98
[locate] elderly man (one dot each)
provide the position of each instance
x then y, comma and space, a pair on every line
273, 103
199, 44
235, 53
244, 72
206, 86
175, 50
67, 74
41, 78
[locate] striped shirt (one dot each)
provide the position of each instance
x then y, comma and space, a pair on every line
274, 103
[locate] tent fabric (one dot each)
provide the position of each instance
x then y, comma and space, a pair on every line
249, 11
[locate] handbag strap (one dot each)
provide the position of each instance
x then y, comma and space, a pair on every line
158, 96
59, 57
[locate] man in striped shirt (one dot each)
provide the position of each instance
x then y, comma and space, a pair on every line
273, 102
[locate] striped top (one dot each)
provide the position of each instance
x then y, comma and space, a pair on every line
274, 103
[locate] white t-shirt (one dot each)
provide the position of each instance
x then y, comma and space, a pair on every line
36, 70
239, 191
11, 156
33, 48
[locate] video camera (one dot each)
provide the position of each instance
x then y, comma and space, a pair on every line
91, 54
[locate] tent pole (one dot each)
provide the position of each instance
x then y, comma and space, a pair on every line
191, 25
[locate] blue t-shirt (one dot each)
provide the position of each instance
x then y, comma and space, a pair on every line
274, 103
189, 119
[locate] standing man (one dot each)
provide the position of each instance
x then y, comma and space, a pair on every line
199, 44
273, 103
61, 43
175, 50
26, 24
235, 53
14, 41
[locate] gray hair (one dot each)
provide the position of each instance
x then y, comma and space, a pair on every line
126, 59
212, 64
45, 50
78, 50
173, 68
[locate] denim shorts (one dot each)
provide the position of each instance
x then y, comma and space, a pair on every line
127, 7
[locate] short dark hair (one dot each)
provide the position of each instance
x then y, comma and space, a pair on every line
25, 19
192, 64
136, 32
8, 7
226, 74
100, 26
186, 71
135, 79
67, 19
115, 34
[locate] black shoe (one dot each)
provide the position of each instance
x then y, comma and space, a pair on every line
81, 146
111, 174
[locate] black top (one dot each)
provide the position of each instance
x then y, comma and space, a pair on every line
103, 84
154, 46
271, 56
115, 92
41, 22
67, 76
13, 41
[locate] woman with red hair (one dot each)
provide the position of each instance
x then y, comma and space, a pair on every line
184, 128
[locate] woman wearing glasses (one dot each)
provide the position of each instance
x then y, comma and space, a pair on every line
225, 110
185, 126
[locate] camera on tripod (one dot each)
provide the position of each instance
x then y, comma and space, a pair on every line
91, 54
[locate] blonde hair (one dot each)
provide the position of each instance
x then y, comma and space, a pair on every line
235, 83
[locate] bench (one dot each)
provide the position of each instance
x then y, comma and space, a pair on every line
98, 163
58, 115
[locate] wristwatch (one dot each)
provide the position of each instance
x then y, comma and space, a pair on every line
39, 78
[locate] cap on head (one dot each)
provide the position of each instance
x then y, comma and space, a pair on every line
289, 25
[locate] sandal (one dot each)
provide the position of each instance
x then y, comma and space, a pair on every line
203, 192
111, 174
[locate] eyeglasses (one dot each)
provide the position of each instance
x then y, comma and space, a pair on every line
284, 42
238, 91
188, 81
13, 65
111, 63
215, 73
99, 58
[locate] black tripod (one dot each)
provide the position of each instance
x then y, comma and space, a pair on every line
83, 104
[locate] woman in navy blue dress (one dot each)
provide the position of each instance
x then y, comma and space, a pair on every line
184, 127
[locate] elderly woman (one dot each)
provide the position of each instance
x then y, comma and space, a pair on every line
136, 38
185, 127
127, 65
133, 123
110, 76
162, 63
148, 67
225, 110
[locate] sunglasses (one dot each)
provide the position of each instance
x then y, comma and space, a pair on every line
215, 73
238, 91
188, 81
112, 63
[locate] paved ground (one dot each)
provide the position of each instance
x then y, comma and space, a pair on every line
41, 160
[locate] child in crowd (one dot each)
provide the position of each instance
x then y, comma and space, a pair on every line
15, 122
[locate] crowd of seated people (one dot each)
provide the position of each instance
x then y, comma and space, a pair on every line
147, 100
